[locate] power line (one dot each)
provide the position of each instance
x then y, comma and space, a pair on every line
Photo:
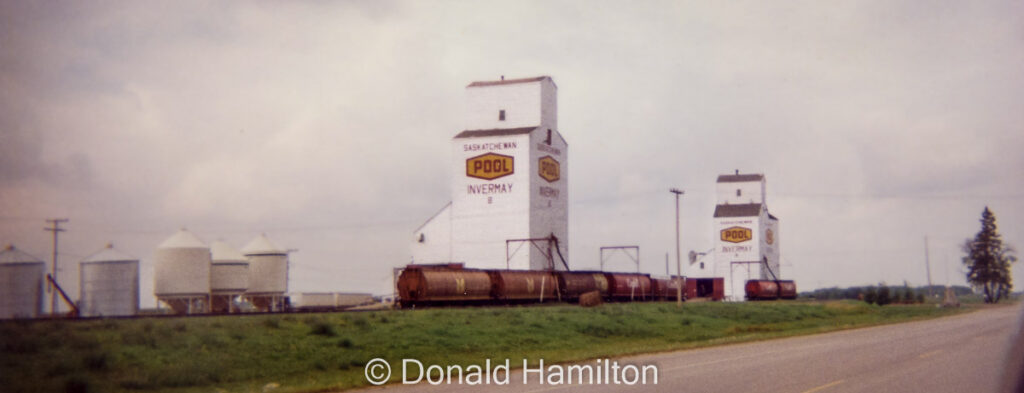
894, 196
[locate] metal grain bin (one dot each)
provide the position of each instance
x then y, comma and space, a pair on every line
268, 273
182, 273
21, 284
229, 269
229, 276
268, 266
109, 284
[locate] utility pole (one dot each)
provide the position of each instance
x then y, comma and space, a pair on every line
928, 266
679, 265
55, 228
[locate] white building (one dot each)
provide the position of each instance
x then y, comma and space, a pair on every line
509, 169
746, 236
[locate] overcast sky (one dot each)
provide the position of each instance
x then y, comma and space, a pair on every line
327, 126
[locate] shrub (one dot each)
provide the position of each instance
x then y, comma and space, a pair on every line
324, 329
870, 295
96, 361
345, 343
883, 296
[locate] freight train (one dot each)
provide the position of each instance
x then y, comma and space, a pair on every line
770, 290
452, 284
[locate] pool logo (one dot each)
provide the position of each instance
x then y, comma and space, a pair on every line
736, 234
490, 166
549, 169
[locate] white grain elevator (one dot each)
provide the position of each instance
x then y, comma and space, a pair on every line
509, 201
746, 235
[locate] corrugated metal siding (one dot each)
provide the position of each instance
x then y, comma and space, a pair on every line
21, 290
109, 288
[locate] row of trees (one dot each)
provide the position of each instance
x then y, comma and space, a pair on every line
988, 262
883, 294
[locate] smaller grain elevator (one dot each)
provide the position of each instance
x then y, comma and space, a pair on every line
746, 235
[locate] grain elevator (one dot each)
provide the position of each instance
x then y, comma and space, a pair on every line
746, 235
509, 197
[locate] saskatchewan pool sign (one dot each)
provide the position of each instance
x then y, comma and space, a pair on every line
490, 166
736, 234
549, 169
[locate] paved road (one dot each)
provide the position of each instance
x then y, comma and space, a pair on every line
963, 353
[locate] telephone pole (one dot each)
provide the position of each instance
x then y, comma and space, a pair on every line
55, 228
928, 266
679, 266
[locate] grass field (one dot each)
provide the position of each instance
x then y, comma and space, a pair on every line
316, 352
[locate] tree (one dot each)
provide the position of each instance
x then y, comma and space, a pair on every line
870, 296
988, 260
883, 295
908, 294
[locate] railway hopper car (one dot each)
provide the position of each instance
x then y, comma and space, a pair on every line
628, 286
770, 290
450, 284
667, 288
524, 286
787, 290
762, 290
574, 284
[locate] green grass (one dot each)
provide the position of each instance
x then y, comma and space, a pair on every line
315, 352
